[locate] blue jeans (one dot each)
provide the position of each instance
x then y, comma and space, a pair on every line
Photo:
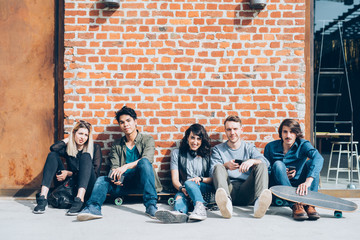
195, 193
139, 179
278, 176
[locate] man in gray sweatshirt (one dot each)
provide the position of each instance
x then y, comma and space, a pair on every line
240, 172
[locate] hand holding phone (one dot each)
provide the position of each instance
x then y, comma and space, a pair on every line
113, 178
239, 161
291, 171
291, 168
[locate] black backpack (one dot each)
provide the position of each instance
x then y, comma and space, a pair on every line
62, 196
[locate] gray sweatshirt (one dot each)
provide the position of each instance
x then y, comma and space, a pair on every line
222, 153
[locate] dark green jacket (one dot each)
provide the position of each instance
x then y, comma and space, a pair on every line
145, 145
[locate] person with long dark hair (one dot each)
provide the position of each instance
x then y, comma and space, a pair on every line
83, 159
190, 165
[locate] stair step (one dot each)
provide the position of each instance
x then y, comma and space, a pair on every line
327, 114
335, 122
332, 73
329, 94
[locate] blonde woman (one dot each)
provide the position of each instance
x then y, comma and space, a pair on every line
83, 159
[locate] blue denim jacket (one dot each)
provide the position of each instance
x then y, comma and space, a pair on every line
300, 151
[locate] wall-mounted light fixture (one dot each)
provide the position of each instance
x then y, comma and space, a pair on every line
112, 3
257, 4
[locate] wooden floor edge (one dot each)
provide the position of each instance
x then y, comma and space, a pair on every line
342, 193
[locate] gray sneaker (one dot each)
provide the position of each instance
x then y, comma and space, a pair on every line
171, 216
199, 213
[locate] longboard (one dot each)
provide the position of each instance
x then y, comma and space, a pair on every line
315, 199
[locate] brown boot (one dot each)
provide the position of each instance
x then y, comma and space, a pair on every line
299, 213
311, 212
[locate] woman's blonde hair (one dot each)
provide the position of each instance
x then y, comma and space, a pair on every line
71, 148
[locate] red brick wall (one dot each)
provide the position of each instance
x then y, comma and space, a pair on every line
184, 61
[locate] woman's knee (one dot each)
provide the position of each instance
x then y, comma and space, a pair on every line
85, 157
85, 162
189, 184
53, 156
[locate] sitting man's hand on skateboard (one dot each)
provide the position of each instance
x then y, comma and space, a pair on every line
303, 188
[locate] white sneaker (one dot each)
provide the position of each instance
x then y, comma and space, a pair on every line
171, 216
224, 203
262, 203
199, 213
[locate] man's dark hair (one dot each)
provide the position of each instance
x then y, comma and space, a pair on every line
198, 130
125, 111
294, 127
232, 118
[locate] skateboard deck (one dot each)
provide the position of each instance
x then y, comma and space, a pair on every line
210, 201
161, 195
315, 199
169, 196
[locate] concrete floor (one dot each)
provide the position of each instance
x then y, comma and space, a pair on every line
129, 222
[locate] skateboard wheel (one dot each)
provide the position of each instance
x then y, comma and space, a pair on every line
214, 208
338, 214
118, 201
279, 202
171, 201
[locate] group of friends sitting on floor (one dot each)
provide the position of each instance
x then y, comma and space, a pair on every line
235, 170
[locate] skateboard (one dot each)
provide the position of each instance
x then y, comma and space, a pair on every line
210, 204
169, 196
316, 199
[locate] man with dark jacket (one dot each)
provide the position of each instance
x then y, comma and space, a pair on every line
295, 162
131, 159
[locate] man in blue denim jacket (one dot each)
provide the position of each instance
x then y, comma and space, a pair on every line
289, 165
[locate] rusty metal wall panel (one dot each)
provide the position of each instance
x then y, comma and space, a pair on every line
26, 92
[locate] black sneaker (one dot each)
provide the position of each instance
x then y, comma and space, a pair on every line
41, 204
76, 207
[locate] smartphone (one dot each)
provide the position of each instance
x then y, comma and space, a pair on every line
116, 180
122, 178
113, 177
291, 168
59, 172
239, 161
